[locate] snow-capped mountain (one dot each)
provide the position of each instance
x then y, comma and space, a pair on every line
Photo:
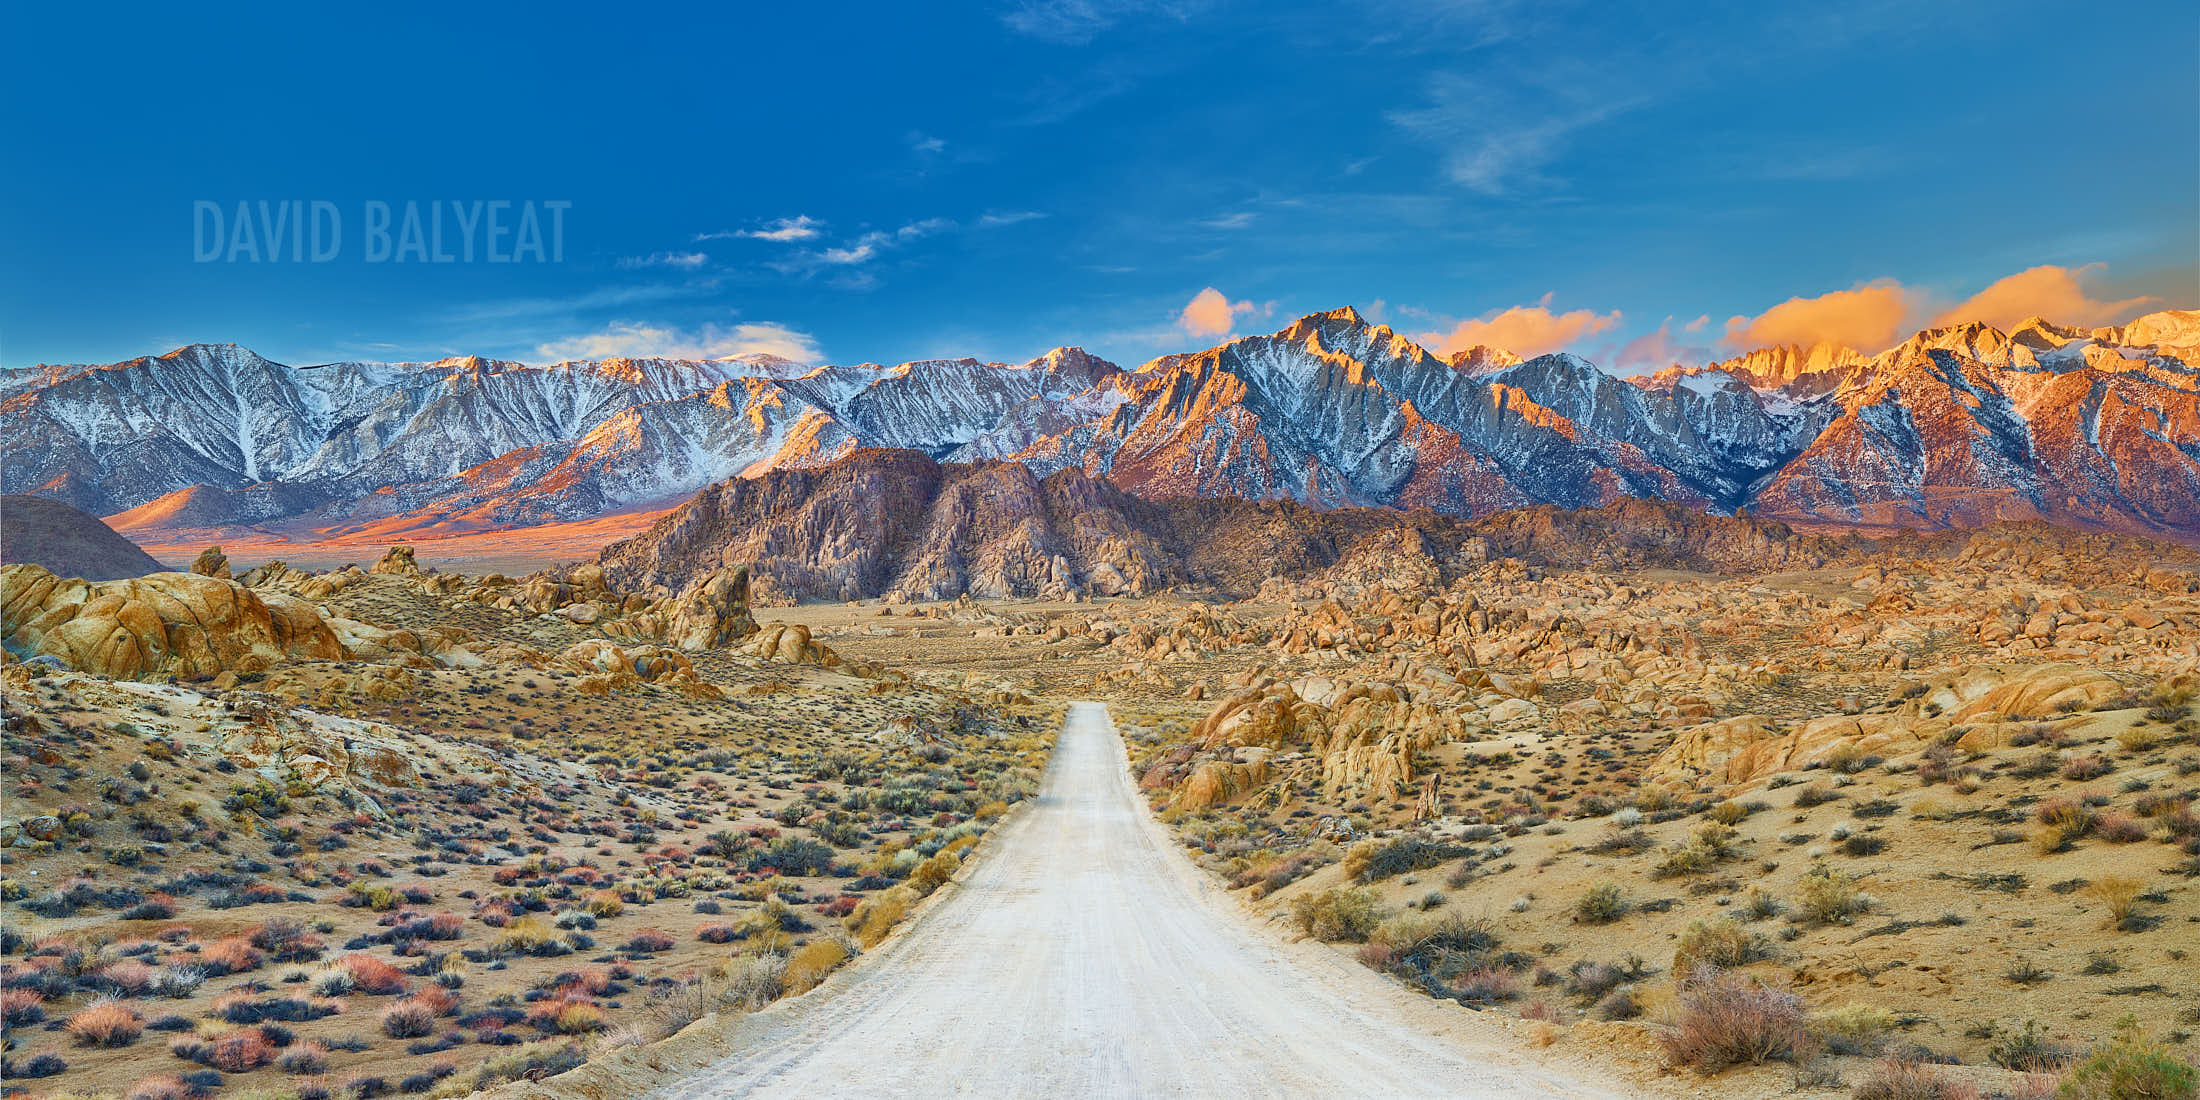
1955, 426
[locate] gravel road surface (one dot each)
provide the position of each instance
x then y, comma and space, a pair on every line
1085, 956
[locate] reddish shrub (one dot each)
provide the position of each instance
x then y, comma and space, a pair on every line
2078, 769
2120, 828
650, 939
840, 906
372, 975
164, 1087
1722, 1019
436, 999
593, 981
106, 1023
234, 955
127, 977
717, 933
237, 1051
21, 1007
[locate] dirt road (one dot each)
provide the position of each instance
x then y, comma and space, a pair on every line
1086, 957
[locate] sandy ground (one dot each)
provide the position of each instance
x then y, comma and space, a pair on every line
453, 547
1087, 957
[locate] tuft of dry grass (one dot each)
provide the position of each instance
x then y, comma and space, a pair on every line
2119, 896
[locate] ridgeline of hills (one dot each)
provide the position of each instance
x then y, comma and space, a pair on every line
1955, 427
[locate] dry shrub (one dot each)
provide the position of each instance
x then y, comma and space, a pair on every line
166, 1086
305, 1058
21, 1007
234, 955
2131, 1067
408, 1019
106, 1023
1827, 896
1602, 903
372, 975
1897, 1078
753, 981
2117, 827
577, 1018
237, 1051
1339, 913
933, 873
877, 916
1722, 945
807, 967
1721, 1019
528, 935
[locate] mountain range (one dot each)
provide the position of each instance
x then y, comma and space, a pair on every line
1954, 427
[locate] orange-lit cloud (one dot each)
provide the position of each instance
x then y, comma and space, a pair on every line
1211, 313
1867, 317
1526, 331
1660, 348
2046, 291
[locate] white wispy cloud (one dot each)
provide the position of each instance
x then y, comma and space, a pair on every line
686, 261
1498, 132
640, 340
1076, 22
801, 227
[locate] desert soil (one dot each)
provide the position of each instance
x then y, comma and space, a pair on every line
1087, 957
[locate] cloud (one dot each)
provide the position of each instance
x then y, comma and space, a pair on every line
1008, 217
925, 144
1076, 22
686, 261
864, 248
635, 340
1497, 135
1868, 317
801, 227
1211, 313
1526, 331
867, 247
2054, 293
1237, 220
1660, 348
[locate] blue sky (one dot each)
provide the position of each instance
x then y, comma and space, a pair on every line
1636, 182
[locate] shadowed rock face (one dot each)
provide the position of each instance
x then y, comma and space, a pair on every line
38, 531
898, 524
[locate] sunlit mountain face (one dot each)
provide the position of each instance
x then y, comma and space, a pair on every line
1953, 427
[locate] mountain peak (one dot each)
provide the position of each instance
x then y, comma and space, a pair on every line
1482, 359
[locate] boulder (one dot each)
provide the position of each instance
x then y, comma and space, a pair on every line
212, 563
713, 612
397, 561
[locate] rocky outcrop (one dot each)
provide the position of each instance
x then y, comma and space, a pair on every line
713, 612
396, 561
212, 562
163, 623
1976, 705
790, 644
